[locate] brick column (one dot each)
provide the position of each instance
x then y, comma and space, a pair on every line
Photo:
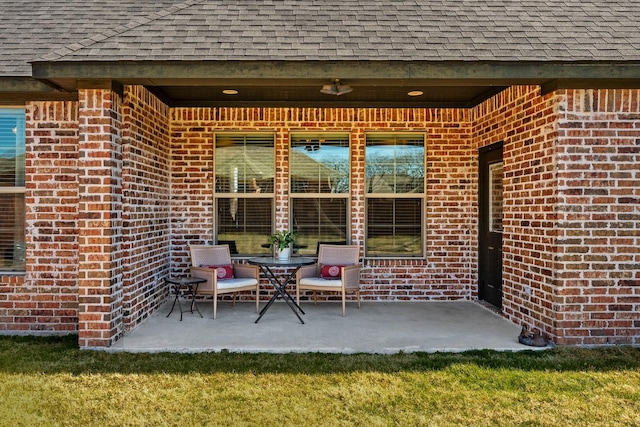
282, 180
598, 295
100, 218
51, 202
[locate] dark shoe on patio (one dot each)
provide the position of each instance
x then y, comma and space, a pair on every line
532, 339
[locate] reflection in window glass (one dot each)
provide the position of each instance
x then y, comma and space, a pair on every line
395, 194
12, 148
319, 220
244, 190
394, 227
12, 182
244, 163
245, 221
319, 164
319, 174
395, 163
495, 194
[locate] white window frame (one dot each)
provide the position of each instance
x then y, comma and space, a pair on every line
257, 193
422, 197
19, 243
314, 140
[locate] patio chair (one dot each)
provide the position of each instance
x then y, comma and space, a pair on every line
233, 248
213, 263
341, 242
337, 270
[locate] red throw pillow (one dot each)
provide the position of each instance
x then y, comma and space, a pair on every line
222, 271
329, 271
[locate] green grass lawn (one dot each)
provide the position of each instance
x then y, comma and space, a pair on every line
49, 382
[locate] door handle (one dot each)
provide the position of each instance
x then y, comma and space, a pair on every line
491, 248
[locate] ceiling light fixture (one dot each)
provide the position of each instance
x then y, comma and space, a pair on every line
230, 92
415, 93
336, 88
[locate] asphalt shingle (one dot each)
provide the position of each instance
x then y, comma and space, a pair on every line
436, 30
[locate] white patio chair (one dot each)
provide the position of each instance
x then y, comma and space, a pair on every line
213, 263
337, 270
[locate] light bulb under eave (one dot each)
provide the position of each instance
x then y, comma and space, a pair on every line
415, 93
329, 89
343, 89
230, 91
336, 88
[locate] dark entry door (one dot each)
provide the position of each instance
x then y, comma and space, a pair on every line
490, 226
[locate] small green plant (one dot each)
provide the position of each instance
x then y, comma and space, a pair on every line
282, 239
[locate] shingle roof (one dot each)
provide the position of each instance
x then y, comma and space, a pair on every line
30, 29
368, 30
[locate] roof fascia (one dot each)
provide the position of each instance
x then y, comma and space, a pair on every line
476, 71
590, 83
21, 89
24, 84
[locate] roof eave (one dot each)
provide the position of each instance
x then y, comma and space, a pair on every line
61, 79
21, 89
428, 70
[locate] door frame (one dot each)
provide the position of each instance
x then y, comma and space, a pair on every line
486, 156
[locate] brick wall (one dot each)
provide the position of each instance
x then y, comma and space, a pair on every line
571, 241
100, 292
45, 299
97, 209
598, 268
145, 204
449, 268
117, 189
526, 123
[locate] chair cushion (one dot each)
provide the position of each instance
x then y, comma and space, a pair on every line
320, 281
238, 282
330, 271
224, 272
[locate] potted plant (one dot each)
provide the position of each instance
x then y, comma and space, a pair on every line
281, 240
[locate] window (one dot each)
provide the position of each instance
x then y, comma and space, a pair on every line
12, 163
495, 197
244, 190
394, 167
319, 196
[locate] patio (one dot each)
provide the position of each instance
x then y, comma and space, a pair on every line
378, 327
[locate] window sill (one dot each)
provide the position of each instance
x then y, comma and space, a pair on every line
12, 272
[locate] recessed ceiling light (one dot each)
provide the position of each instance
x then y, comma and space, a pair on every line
230, 92
415, 93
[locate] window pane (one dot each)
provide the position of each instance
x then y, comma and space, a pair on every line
246, 221
12, 242
244, 163
11, 147
318, 220
495, 201
395, 163
394, 227
319, 163
12, 164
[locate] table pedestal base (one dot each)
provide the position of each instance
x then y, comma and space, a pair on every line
281, 291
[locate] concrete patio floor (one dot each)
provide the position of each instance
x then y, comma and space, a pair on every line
378, 327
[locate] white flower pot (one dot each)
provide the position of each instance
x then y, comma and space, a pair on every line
284, 254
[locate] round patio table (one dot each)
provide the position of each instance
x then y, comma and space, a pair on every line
292, 265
